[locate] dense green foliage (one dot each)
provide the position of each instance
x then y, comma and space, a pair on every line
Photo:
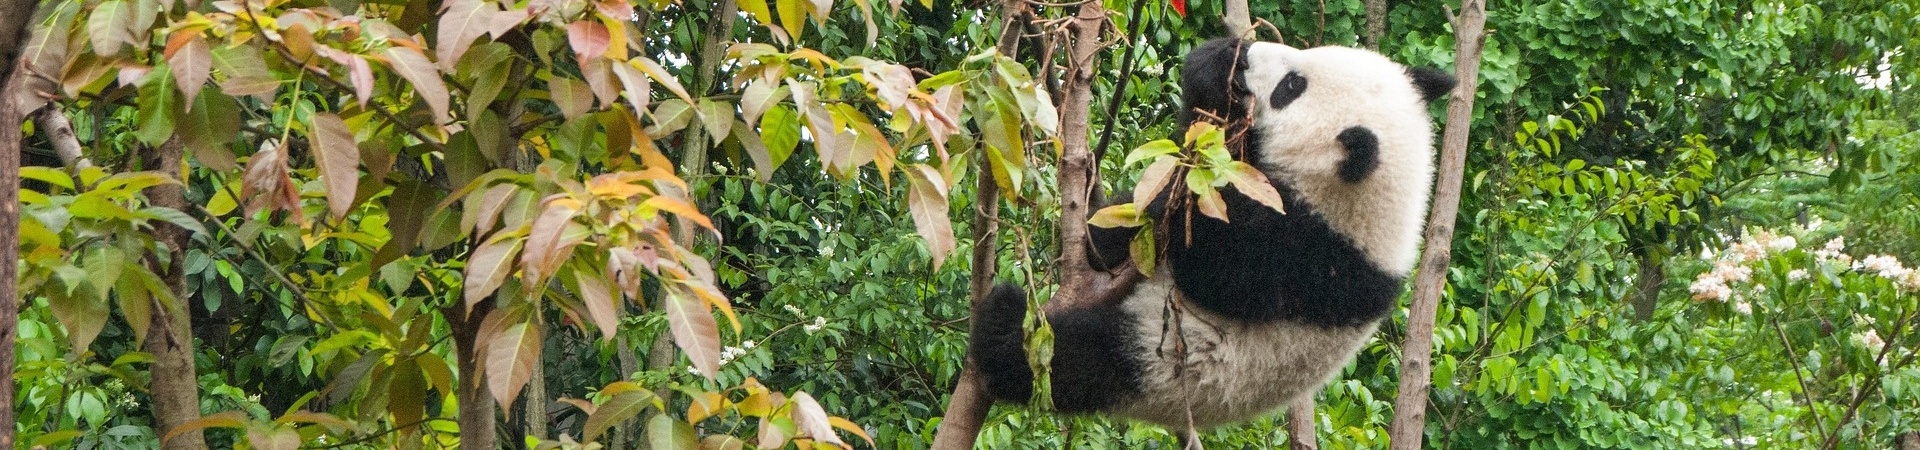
1759, 162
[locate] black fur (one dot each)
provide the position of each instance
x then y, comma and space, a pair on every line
1289, 89
1110, 248
1431, 82
1213, 80
1363, 154
1092, 363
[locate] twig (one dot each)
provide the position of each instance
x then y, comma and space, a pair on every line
1806, 392
1120, 87
298, 293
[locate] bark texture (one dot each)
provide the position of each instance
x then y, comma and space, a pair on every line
1079, 173
476, 402
1416, 363
1300, 435
9, 220
1646, 286
967, 407
1376, 23
175, 389
1239, 19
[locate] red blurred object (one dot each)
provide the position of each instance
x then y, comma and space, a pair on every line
1179, 6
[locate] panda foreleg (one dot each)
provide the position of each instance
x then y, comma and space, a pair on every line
1092, 366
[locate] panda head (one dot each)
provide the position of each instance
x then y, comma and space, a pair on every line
1345, 130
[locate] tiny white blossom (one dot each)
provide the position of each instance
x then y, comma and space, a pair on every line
747, 344
1783, 243
818, 323
826, 252
693, 370
1730, 271
1743, 307
1870, 339
1836, 245
1797, 275
1886, 266
794, 309
1710, 287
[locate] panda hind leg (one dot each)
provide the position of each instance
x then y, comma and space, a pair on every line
1092, 369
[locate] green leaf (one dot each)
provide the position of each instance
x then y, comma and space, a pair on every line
618, 409
158, 103
666, 433
780, 130
1118, 216
1152, 150
571, 96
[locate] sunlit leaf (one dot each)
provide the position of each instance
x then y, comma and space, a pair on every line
660, 74
717, 118
461, 21
573, 97
1117, 216
599, 300
617, 409
192, 64
1252, 183
666, 433
548, 242
927, 203
588, 38
757, 98
110, 26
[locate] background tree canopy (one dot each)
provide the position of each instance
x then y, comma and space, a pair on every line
744, 223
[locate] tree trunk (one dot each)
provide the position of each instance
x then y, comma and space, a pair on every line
1239, 19
1416, 368
58, 129
176, 391
1300, 435
535, 409
476, 403
1646, 286
13, 27
967, 408
1079, 173
1376, 23
1908, 441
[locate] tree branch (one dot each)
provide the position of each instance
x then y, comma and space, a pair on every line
1416, 368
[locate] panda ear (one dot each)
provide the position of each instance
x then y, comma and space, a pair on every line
1213, 76
1432, 83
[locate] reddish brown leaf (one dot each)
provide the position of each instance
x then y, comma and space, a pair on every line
510, 359
267, 184
361, 74
549, 243
192, 65
636, 85
588, 38
599, 75
1154, 179
338, 158
413, 66
811, 419
598, 298
488, 267
694, 331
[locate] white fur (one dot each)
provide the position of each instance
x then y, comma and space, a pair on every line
1382, 214
1231, 370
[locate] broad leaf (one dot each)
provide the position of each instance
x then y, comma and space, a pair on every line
598, 298
617, 409
413, 66
811, 419
510, 359
666, 433
110, 26
192, 64
573, 97
694, 330
488, 267
588, 38
927, 202
1252, 183
338, 159
461, 21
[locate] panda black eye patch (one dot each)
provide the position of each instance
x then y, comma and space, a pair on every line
1290, 89
1363, 154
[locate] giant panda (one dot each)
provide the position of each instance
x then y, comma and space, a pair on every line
1246, 316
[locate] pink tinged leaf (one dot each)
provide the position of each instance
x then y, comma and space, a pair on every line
618, 9
488, 267
828, 139
503, 22
361, 74
550, 241
272, 437
694, 330
666, 432
756, 150
821, 8
510, 359
192, 65
682, 210
927, 202
588, 38
573, 97
1154, 179
599, 75
413, 66
1254, 184
636, 85
487, 211
338, 158
461, 22
891, 83
757, 98
660, 74
1210, 203
811, 419
598, 298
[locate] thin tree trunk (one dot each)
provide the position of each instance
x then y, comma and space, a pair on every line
967, 408
1908, 441
1646, 286
175, 388
1416, 367
536, 396
476, 402
13, 27
1239, 19
1376, 23
1300, 435
1079, 174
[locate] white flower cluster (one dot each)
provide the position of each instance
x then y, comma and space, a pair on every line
1714, 285
1833, 252
818, 323
1870, 339
1888, 266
